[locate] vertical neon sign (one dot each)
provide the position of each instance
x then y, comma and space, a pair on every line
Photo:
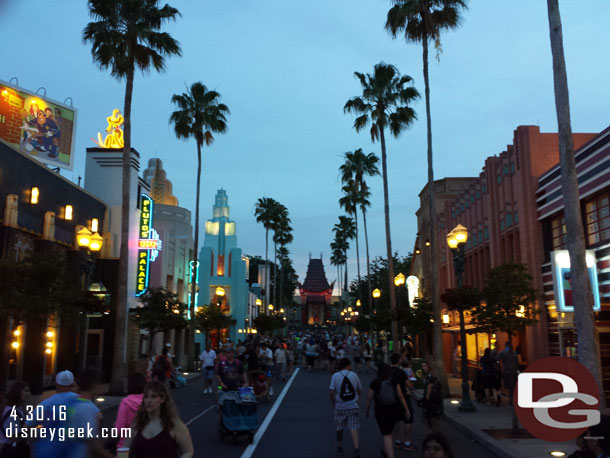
190, 307
146, 213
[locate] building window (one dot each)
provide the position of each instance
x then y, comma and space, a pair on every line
478, 194
598, 219
499, 179
509, 219
486, 232
452, 214
516, 218
501, 224
480, 236
558, 230
467, 203
472, 199
505, 170
484, 188
512, 168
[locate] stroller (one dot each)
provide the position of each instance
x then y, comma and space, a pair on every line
238, 414
176, 379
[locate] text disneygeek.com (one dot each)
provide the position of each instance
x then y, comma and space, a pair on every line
62, 434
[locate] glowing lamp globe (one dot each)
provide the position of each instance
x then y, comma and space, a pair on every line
376, 293
83, 237
399, 279
220, 291
96, 242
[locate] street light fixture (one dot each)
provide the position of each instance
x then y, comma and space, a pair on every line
427, 242
220, 291
358, 303
96, 242
270, 306
376, 293
456, 240
399, 279
83, 237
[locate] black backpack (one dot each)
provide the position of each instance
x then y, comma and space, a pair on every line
387, 393
160, 366
347, 391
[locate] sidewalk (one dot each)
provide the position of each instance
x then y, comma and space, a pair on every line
105, 401
486, 420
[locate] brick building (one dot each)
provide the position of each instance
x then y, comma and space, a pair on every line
499, 210
593, 169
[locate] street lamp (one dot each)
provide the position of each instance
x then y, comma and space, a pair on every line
220, 291
376, 293
456, 240
88, 243
358, 303
399, 279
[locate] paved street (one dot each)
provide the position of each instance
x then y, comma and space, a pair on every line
302, 426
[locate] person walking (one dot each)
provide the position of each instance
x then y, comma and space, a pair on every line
510, 365
231, 373
208, 361
281, 363
488, 372
310, 353
131, 403
390, 406
157, 430
432, 402
163, 367
404, 426
367, 355
345, 389
13, 420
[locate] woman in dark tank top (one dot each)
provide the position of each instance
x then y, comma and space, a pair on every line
157, 431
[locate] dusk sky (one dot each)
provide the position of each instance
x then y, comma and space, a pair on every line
285, 68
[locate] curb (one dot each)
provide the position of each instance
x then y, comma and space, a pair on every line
480, 437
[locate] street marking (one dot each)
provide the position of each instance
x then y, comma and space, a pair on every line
261, 430
201, 414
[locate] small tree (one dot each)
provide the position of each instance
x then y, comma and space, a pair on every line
510, 301
419, 317
210, 317
160, 312
267, 324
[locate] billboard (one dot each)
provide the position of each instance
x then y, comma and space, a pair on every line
562, 280
37, 126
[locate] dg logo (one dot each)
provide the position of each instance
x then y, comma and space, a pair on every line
557, 399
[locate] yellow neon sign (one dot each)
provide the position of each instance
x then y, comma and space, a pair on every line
114, 139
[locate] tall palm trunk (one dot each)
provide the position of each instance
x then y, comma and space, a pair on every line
119, 361
267, 271
190, 337
275, 273
357, 247
587, 334
345, 274
388, 238
437, 331
368, 263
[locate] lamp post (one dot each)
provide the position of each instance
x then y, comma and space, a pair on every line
456, 239
88, 243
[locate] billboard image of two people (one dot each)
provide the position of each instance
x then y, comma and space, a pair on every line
36, 126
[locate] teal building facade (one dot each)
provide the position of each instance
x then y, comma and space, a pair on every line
223, 270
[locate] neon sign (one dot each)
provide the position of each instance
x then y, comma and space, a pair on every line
149, 244
193, 306
562, 280
114, 139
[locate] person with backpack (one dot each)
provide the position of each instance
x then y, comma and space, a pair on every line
390, 406
163, 367
432, 402
345, 388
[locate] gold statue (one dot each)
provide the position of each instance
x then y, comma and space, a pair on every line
114, 139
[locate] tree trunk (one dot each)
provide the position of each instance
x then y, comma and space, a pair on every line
437, 331
587, 333
357, 249
368, 264
190, 330
267, 271
119, 361
275, 274
388, 241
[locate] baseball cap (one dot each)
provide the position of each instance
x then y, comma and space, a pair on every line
64, 378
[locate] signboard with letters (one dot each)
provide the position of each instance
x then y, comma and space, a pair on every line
149, 244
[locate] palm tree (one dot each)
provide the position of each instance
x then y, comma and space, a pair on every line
338, 256
422, 21
199, 115
345, 230
265, 211
384, 103
281, 235
349, 202
282, 255
588, 337
125, 35
357, 165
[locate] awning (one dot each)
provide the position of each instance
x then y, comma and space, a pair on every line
456, 329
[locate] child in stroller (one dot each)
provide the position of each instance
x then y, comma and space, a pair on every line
258, 380
176, 379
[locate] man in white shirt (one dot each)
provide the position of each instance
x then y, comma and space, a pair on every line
345, 388
280, 363
208, 358
265, 361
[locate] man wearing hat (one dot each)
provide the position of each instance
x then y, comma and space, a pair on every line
64, 383
231, 374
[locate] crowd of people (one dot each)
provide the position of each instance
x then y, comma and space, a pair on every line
155, 429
